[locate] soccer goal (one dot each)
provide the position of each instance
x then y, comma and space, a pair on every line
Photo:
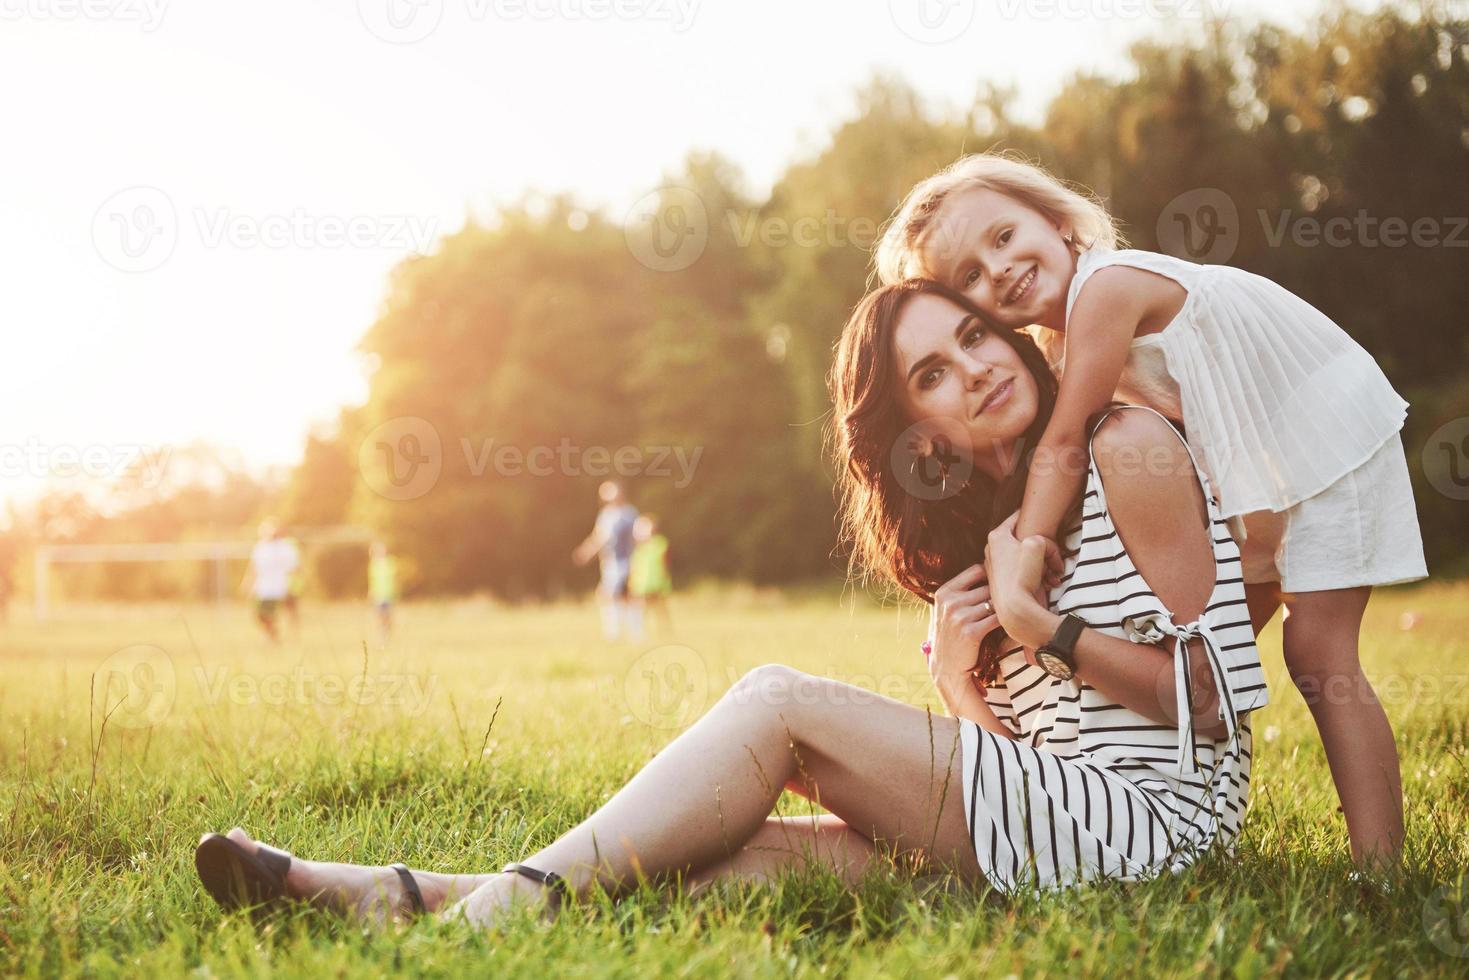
220, 553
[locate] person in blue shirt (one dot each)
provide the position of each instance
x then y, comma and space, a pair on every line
612, 538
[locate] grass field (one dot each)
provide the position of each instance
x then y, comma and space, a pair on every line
389, 754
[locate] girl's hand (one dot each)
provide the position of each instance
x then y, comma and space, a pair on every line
964, 615
1016, 569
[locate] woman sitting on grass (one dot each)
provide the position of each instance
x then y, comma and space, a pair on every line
1062, 760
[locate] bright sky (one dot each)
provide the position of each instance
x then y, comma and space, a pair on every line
181, 174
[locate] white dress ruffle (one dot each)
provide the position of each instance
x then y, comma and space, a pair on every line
1278, 401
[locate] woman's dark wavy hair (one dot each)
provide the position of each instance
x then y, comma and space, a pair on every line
892, 534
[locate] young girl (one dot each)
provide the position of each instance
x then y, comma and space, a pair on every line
1294, 422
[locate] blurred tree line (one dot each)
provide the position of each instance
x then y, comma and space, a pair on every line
553, 326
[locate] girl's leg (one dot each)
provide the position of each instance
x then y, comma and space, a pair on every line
1321, 637
890, 771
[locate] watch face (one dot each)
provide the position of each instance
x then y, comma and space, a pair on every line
1053, 664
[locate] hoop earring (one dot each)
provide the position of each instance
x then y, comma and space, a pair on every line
943, 472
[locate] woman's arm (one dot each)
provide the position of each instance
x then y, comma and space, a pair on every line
962, 699
961, 615
1106, 317
1158, 508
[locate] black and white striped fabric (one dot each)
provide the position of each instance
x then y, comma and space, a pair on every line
1089, 789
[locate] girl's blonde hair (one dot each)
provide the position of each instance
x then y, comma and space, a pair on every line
899, 255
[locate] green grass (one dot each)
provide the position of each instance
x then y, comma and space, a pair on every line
99, 821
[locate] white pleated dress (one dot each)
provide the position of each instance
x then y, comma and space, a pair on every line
1287, 414
1092, 790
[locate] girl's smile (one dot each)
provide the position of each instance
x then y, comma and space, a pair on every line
1013, 261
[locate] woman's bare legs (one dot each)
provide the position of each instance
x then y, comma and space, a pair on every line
889, 771
371, 893
1321, 637
785, 841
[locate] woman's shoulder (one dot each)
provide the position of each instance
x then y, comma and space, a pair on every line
1123, 425
1147, 470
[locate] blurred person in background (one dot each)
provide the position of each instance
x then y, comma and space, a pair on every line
649, 580
382, 585
612, 538
272, 561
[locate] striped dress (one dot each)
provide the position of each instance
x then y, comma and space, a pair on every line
1089, 789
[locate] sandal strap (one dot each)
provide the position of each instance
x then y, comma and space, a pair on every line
273, 858
560, 890
410, 888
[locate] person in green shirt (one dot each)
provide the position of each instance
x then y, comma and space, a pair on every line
649, 580
382, 584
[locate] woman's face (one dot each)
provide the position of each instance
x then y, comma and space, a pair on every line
1011, 260
952, 369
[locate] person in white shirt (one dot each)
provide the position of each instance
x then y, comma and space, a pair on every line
272, 561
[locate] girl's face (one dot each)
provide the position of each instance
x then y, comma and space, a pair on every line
953, 369
1006, 256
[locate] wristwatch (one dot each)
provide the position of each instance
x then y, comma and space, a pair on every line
1058, 656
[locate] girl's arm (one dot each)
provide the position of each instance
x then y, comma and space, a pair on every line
1112, 304
1160, 513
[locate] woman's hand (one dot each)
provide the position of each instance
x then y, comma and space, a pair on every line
1016, 569
964, 615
